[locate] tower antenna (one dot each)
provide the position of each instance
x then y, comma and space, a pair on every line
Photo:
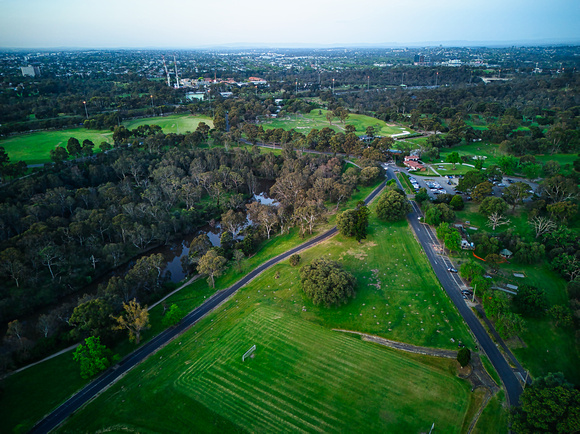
176, 75
166, 71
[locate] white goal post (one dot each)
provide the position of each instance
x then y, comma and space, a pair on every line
248, 353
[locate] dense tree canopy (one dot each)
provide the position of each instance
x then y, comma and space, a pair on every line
392, 206
549, 405
93, 357
326, 283
354, 223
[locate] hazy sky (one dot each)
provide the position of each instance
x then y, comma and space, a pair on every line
196, 23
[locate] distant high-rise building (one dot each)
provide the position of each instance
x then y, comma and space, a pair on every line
30, 71
422, 60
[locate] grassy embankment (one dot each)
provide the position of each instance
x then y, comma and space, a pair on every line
404, 179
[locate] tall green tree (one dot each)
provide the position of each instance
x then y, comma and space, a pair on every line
453, 158
73, 147
326, 283
516, 193
463, 356
93, 357
92, 318
173, 316
530, 301
354, 223
211, 264
392, 206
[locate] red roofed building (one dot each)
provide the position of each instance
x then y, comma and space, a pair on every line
412, 162
257, 80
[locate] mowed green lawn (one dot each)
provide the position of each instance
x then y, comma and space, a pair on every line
304, 123
303, 377
398, 295
34, 148
178, 124
492, 154
490, 151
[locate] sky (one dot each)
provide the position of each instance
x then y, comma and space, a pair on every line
198, 24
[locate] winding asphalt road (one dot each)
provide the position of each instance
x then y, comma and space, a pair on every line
452, 286
92, 389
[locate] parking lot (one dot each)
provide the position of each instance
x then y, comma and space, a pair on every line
436, 185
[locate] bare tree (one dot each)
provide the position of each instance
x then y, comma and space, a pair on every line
233, 221
542, 225
496, 219
46, 324
50, 256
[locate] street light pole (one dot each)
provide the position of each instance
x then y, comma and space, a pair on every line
86, 112
333, 86
152, 108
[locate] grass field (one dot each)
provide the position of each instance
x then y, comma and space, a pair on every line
404, 179
178, 124
492, 154
490, 151
34, 148
494, 418
304, 123
306, 377
447, 168
303, 378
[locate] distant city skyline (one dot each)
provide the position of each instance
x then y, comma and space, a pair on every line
185, 24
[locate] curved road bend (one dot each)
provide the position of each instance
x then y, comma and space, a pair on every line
110, 376
452, 285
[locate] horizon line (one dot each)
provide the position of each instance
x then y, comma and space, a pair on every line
291, 45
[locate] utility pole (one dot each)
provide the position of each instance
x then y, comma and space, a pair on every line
176, 75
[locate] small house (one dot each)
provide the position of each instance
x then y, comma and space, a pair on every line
505, 253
